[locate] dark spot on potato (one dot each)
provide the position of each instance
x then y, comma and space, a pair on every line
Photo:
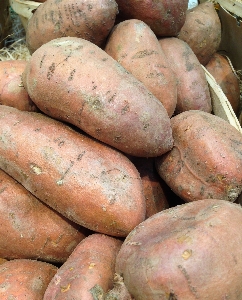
42, 60
72, 75
112, 97
51, 71
125, 108
172, 297
81, 155
2, 190
144, 53
117, 138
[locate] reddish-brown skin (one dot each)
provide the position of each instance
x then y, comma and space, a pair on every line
83, 179
165, 17
206, 159
75, 81
88, 273
12, 91
202, 31
91, 20
25, 279
30, 229
134, 45
221, 70
119, 290
189, 252
155, 189
192, 88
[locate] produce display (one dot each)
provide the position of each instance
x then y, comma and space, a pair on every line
118, 180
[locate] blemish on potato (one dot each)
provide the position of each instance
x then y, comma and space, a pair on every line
59, 182
117, 138
65, 288
72, 75
133, 243
36, 169
51, 71
187, 254
144, 53
91, 265
188, 279
57, 279
184, 238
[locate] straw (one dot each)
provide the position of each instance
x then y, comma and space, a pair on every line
15, 44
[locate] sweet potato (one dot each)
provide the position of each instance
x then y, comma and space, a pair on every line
155, 189
12, 91
30, 229
222, 70
73, 80
188, 252
164, 17
134, 45
192, 88
88, 273
24, 279
86, 181
91, 20
202, 31
206, 159
119, 290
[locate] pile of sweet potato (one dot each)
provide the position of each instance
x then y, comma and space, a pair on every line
117, 181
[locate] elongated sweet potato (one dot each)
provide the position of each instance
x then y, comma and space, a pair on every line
88, 273
24, 279
12, 91
86, 181
73, 80
91, 20
188, 252
202, 31
134, 45
30, 229
222, 70
192, 88
206, 159
165, 17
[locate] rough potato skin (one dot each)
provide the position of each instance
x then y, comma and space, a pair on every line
25, 279
165, 17
221, 70
12, 91
73, 80
206, 159
134, 45
202, 31
192, 88
88, 273
34, 230
91, 20
81, 178
188, 252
